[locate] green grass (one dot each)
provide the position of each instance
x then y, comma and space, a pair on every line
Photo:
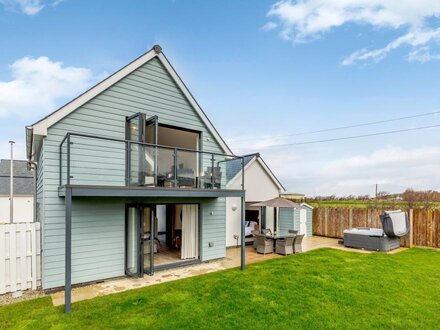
320, 289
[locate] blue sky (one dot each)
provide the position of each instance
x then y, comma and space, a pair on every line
261, 70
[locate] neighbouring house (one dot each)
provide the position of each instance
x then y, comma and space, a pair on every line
131, 178
294, 197
260, 184
24, 191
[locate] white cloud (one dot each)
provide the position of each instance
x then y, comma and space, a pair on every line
390, 157
304, 20
393, 168
416, 39
19, 150
39, 84
269, 26
316, 171
28, 7
422, 55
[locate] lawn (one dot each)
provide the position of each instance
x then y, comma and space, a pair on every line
320, 289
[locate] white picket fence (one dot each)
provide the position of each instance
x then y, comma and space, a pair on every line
20, 255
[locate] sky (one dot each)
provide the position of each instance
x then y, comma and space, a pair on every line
264, 72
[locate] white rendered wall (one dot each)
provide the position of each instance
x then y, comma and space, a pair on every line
23, 209
259, 187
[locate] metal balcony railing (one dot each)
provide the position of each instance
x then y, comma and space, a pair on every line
105, 161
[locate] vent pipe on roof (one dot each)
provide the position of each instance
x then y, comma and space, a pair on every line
11, 188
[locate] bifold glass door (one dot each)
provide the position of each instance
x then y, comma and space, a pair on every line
141, 159
139, 240
135, 131
149, 238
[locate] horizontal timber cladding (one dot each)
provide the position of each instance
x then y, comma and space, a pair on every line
286, 220
98, 237
98, 224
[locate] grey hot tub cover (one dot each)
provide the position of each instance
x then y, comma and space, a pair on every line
395, 223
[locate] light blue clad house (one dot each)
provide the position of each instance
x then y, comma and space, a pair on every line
131, 178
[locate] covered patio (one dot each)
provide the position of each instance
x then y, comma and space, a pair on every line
231, 260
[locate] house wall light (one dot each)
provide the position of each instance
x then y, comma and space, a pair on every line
234, 207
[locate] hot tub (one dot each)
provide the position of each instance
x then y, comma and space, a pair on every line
372, 239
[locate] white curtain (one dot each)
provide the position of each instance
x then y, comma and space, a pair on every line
190, 232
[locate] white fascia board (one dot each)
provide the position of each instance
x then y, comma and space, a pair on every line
40, 128
194, 103
307, 205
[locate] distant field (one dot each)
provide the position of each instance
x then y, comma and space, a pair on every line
371, 204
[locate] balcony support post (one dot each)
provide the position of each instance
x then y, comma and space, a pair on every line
243, 217
175, 168
68, 159
68, 252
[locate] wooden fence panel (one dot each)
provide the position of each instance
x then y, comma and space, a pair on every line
331, 222
19, 257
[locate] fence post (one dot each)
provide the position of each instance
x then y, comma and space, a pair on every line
3, 258
326, 222
411, 229
350, 217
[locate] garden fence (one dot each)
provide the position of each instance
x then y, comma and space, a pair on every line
19, 257
331, 222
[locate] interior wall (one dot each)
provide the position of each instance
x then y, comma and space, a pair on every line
259, 187
180, 139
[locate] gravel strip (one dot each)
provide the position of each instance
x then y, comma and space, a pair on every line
6, 299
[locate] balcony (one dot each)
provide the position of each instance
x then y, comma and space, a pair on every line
105, 166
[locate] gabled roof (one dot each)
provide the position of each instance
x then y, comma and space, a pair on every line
235, 167
23, 178
41, 126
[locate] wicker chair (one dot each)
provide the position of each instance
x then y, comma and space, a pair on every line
255, 233
264, 244
285, 246
147, 246
266, 232
294, 232
297, 248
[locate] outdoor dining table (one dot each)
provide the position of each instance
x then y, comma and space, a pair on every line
276, 237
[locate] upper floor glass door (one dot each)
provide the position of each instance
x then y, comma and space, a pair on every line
141, 159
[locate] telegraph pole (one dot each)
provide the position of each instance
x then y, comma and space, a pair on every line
376, 190
11, 188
